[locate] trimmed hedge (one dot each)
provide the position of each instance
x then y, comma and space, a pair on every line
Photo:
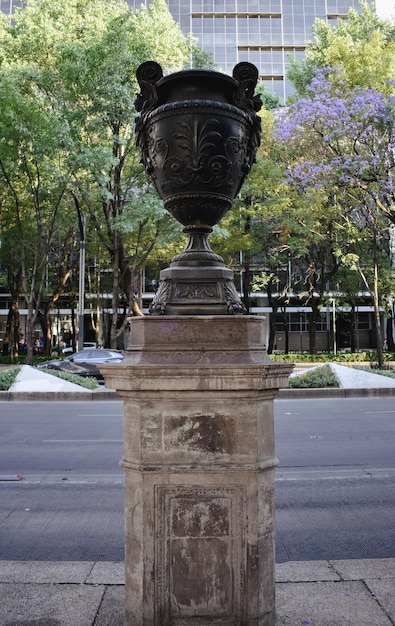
326, 357
83, 381
321, 376
21, 359
7, 378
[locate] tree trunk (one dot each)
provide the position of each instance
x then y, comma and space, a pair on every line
354, 322
246, 262
12, 333
122, 273
246, 284
272, 330
46, 325
375, 297
377, 317
286, 328
30, 323
95, 313
45, 318
390, 334
272, 320
313, 317
114, 300
73, 329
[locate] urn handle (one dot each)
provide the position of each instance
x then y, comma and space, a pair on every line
247, 76
149, 72
147, 75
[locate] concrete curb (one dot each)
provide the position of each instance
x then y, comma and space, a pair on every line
334, 392
105, 395
58, 396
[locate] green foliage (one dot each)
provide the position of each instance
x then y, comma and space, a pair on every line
198, 58
270, 100
321, 376
7, 378
21, 359
9, 360
363, 47
82, 381
325, 357
67, 91
382, 371
251, 226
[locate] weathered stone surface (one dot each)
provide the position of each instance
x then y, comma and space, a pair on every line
199, 462
194, 340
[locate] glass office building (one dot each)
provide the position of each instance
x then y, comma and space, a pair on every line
7, 6
264, 32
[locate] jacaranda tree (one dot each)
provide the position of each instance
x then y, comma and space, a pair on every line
342, 139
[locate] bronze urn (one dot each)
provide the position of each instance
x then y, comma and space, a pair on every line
198, 132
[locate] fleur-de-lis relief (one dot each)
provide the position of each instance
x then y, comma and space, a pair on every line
200, 155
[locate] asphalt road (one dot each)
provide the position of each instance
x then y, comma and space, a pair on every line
335, 486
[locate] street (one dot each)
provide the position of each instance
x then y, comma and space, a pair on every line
335, 485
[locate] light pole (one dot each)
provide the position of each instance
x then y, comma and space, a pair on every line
81, 290
334, 326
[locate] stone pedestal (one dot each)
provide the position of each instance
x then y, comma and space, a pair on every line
199, 470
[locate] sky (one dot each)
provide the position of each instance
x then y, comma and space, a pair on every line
385, 8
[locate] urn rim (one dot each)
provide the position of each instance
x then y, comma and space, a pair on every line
197, 73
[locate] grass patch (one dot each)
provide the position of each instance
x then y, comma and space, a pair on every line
315, 378
7, 378
82, 381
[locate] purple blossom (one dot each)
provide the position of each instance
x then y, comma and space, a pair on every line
340, 135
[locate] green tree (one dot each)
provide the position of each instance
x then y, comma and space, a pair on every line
362, 47
245, 236
109, 182
76, 64
342, 138
33, 184
368, 254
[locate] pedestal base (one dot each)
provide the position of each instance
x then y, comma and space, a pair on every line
199, 471
196, 291
197, 282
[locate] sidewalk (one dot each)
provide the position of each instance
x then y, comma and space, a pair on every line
310, 593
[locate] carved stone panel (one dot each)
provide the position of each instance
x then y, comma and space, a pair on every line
200, 555
196, 292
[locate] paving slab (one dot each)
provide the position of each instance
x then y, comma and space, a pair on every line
49, 605
45, 571
347, 603
384, 592
112, 608
305, 571
361, 569
309, 593
107, 573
